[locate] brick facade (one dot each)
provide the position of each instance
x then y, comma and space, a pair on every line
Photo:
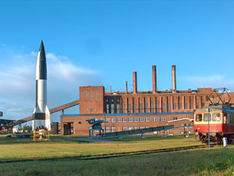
138, 109
129, 110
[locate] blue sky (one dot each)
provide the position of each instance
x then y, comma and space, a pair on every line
103, 42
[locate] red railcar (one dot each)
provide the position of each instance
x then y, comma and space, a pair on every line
218, 121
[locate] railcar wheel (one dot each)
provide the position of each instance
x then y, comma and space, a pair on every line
204, 140
219, 141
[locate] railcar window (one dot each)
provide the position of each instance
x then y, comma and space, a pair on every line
207, 117
198, 117
216, 117
229, 118
225, 118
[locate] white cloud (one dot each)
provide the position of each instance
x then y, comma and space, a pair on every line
55, 57
214, 81
15, 110
17, 83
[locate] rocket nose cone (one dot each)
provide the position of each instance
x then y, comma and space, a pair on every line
42, 73
41, 46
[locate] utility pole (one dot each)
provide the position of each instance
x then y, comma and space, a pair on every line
209, 118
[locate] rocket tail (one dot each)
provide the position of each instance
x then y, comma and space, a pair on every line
47, 118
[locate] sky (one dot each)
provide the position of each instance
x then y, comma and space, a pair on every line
98, 42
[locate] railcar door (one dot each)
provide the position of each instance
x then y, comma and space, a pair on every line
227, 123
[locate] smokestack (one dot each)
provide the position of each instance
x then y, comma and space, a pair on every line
154, 79
126, 87
110, 89
134, 82
173, 78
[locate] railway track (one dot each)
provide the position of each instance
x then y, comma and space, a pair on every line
112, 155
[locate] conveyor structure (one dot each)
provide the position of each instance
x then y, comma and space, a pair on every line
53, 110
138, 131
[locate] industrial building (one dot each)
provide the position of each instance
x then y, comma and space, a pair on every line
135, 109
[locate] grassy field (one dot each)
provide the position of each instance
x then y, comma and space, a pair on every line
217, 161
59, 147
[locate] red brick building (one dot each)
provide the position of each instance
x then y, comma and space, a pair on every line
135, 110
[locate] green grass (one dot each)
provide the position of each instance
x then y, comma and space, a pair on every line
214, 162
217, 161
13, 149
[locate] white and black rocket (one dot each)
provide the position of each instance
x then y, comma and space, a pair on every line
41, 113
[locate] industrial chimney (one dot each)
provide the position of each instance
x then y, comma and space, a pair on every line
110, 89
126, 87
134, 82
154, 79
173, 79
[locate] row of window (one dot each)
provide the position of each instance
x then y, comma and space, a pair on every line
208, 117
90, 110
91, 95
134, 128
215, 117
156, 107
135, 119
229, 119
110, 129
112, 100
115, 108
113, 128
110, 109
